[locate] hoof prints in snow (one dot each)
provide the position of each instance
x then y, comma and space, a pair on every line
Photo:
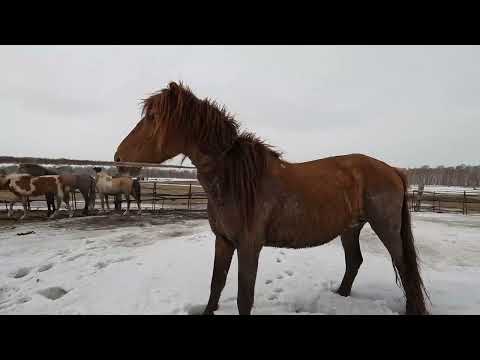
45, 267
6, 292
75, 257
53, 293
24, 299
20, 273
104, 264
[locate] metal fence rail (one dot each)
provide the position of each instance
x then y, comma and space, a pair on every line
155, 195
465, 202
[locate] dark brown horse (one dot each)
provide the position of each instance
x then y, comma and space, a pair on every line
83, 182
256, 199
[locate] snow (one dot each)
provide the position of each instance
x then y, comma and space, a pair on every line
162, 264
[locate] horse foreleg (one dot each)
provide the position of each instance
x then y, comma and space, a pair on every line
108, 205
10, 209
25, 207
247, 275
102, 202
66, 199
59, 199
137, 199
353, 259
86, 199
47, 199
223, 258
127, 198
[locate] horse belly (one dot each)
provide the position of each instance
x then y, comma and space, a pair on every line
296, 226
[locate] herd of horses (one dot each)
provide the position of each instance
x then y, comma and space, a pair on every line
35, 180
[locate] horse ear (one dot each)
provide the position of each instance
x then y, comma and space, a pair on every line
173, 86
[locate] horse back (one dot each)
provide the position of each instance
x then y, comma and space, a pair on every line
26, 185
306, 204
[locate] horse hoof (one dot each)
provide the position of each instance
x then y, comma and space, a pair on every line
342, 292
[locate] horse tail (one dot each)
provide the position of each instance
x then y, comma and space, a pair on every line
413, 281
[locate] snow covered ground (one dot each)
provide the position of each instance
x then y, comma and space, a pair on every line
163, 265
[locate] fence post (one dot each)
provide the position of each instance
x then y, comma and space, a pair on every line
189, 196
465, 202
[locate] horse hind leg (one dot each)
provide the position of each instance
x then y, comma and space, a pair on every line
353, 258
25, 208
136, 196
404, 263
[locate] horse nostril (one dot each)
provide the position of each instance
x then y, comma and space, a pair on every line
116, 157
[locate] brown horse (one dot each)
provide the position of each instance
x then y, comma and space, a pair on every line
256, 199
83, 182
24, 186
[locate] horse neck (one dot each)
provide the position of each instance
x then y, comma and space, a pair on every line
206, 164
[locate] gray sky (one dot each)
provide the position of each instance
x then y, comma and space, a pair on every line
406, 105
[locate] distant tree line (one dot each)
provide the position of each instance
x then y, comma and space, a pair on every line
461, 175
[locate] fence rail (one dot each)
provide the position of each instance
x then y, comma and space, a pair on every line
155, 195
466, 202
189, 195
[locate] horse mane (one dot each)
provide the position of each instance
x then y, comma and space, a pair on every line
242, 157
201, 121
242, 169
36, 170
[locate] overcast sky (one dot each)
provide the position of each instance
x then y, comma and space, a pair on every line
406, 105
